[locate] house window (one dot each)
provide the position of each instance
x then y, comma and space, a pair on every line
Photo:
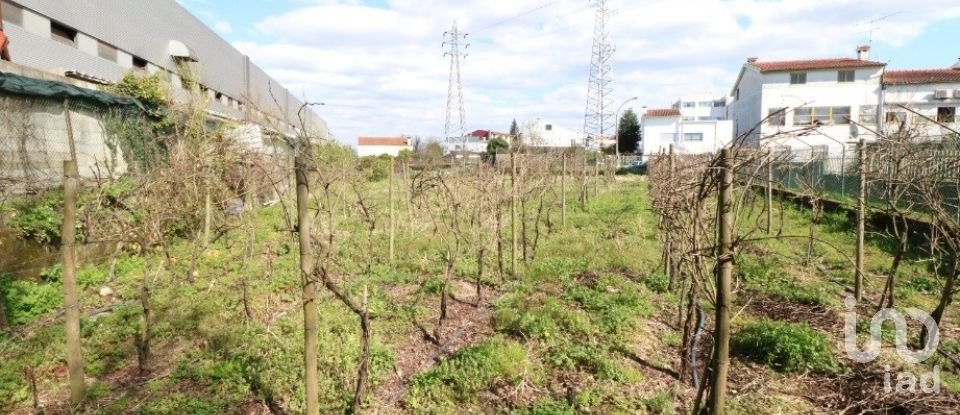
549, 127
803, 116
777, 117
139, 63
706, 104
840, 115
12, 13
689, 118
107, 52
821, 115
63, 34
868, 114
736, 94
692, 136
689, 104
946, 114
798, 78
846, 76
897, 117
719, 103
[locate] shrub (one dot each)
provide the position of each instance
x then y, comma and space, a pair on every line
785, 347
657, 283
40, 219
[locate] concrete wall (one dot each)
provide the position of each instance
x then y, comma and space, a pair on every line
745, 108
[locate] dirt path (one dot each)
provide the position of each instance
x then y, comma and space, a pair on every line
466, 325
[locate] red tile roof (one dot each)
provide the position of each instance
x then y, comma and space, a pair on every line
813, 64
665, 112
382, 141
922, 76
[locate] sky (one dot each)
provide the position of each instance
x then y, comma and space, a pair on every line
379, 65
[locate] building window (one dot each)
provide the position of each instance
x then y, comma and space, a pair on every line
840, 115
689, 104
692, 136
139, 63
897, 117
803, 116
946, 114
719, 103
107, 52
846, 76
549, 127
63, 34
868, 114
798, 78
12, 13
706, 104
736, 94
777, 117
689, 118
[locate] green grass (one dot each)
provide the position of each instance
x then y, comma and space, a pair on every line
785, 347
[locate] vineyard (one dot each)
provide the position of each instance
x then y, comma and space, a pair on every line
314, 281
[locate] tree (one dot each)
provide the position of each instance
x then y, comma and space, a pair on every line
514, 129
498, 146
628, 134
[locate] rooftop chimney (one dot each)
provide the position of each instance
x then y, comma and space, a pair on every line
752, 59
863, 52
956, 65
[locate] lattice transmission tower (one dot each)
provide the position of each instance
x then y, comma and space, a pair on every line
598, 121
454, 43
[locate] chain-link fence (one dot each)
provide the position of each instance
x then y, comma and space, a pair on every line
894, 174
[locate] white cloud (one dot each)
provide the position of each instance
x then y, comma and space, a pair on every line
381, 69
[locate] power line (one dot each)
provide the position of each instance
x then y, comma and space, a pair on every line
517, 16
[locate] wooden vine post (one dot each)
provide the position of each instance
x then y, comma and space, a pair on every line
563, 193
513, 213
71, 300
861, 217
311, 375
392, 213
769, 192
724, 272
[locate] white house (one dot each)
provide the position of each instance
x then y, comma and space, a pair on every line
934, 93
702, 107
663, 127
377, 146
773, 98
544, 134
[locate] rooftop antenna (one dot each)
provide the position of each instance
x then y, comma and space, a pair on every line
873, 24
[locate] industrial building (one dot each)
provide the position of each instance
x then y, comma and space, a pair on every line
98, 41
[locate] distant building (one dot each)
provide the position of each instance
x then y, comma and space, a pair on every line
487, 135
933, 93
664, 127
783, 96
378, 146
544, 134
702, 108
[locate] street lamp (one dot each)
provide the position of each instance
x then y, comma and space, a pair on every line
618, 128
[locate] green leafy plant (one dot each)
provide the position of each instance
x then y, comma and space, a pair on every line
40, 219
657, 283
785, 347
